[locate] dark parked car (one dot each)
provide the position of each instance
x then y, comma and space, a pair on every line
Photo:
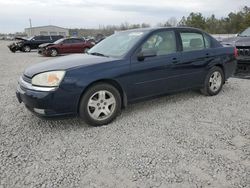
26, 45
124, 68
64, 46
242, 43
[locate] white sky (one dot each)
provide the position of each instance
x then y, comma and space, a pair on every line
15, 14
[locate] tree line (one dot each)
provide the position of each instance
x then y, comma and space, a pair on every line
235, 22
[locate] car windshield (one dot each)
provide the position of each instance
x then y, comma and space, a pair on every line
245, 33
118, 44
30, 38
59, 41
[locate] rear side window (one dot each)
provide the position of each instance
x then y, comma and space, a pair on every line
162, 42
77, 40
192, 41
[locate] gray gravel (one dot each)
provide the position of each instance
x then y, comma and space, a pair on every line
182, 140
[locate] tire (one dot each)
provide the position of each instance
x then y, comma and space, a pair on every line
213, 82
53, 52
26, 48
100, 105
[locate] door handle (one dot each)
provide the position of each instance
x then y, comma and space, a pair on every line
175, 60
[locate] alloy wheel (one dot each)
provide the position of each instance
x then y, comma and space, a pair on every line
215, 81
26, 49
101, 105
53, 52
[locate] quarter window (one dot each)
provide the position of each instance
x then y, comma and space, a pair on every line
207, 41
162, 42
192, 41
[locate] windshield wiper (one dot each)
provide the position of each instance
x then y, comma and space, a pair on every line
97, 54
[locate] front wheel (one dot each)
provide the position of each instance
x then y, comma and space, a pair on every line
100, 104
26, 48
53, 52
214, 81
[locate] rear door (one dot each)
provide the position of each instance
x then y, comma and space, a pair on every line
77, 45
195, 56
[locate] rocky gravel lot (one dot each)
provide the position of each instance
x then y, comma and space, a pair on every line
182, 140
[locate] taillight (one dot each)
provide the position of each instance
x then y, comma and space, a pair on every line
236, 52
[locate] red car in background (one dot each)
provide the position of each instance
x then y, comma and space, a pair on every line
65, 46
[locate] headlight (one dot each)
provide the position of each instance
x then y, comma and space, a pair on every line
48, 79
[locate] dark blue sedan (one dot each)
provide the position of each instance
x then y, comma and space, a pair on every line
126, 67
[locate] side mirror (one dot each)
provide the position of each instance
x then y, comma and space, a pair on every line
146, 53
237, 35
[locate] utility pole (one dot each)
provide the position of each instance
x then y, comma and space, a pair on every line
30, 26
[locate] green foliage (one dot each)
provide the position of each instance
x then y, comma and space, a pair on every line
233, 23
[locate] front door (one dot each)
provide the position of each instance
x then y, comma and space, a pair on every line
153, 75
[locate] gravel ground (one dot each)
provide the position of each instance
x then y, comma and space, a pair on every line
182, 140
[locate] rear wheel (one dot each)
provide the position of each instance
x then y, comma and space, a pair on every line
53, 52
26, 48
214, 81
100, 104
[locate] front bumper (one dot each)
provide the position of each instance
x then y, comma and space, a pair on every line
43, 51
14, 47
47, 103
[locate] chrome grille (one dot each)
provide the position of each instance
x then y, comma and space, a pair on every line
243, 51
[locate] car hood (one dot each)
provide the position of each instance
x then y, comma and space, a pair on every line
237, 41
45, 45
65, 63
20, 38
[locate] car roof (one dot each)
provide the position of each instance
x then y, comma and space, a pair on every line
150, 29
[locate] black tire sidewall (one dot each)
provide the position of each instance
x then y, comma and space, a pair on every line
83, 111
207, 87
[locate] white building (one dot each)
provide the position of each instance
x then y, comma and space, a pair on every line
46, 30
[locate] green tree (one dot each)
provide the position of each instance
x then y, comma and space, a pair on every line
196, 20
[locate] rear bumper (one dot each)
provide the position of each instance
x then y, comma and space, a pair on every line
43, 51
230, 68
47, 104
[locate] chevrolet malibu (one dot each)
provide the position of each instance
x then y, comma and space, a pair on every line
124, 68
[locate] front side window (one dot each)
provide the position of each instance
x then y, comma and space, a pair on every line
45, 37
37, 38
192, 41
162, 43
